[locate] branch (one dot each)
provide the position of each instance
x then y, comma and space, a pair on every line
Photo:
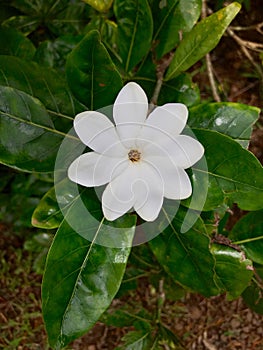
242, 43
209, 65
160, 70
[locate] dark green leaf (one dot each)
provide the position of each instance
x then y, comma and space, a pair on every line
201, 39
134, 33
186, 256
91, 74
235, 174
253, 298
233, 270
7, 11
253, 295
171, 17
30, 7
248, 232
67, 18
14, 43
136, 340
232, 119
29, 140
25, 24
53, 54
44, 84
47, 214
81, 276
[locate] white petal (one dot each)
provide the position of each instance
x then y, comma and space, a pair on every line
183, 150
177, 184
93, 169
97, 131
148, 191
129, 112
118, 197
169, 119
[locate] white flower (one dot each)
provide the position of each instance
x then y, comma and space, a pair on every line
142, 159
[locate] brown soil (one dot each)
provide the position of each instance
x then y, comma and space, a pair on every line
202, 323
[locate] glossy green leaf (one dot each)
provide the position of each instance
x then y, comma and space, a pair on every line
233, 270
201, 39
233, 119
91, 74
53, 54
134, 33
235, 174
28, 138
44, 84
171, 17
100, 5
82, 277
47, 214
248, 232
14, 43
186, 256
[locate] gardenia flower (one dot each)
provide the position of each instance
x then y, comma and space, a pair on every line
141, 158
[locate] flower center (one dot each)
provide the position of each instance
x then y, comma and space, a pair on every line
134, 155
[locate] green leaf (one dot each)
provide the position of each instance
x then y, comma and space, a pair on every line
201, 39
186, 256
47, 214
67, 18
7, 11
29, 140
24, 24
233, 270
171, 17
248, 232
232, 119
30, 7
137, 340
253, 297
53, 54
134, 33
91, 75
59, 17
44, 84
14, 43
81, 276
100, 5
235, 174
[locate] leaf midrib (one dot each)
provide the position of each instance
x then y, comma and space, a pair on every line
228, 179
46, 128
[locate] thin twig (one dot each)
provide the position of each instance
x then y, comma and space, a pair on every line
258, 27
157, 90
211, 78
160, 70
242, 45
160, 300
209, 65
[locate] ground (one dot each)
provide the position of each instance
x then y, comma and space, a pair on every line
213, 323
